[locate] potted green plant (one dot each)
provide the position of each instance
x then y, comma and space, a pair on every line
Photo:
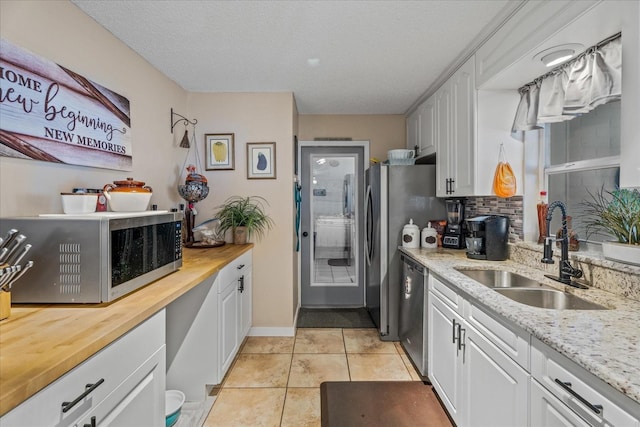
617, 213
245, 216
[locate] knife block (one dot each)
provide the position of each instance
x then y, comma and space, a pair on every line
5, 305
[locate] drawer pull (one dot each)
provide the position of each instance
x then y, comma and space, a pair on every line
240, 267
89, 388
93, 422
597, 409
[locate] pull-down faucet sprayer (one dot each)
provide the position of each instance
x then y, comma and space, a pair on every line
566, 271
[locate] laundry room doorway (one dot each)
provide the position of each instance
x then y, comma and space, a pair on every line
331, 226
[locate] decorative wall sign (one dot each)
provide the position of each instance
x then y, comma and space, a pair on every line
219, 151
261, 160
50, 113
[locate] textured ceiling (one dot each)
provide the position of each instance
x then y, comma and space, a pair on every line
375, 57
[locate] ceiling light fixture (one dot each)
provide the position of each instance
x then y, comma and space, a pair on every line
558, 54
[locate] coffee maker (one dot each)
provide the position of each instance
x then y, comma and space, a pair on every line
488, 237
454, 231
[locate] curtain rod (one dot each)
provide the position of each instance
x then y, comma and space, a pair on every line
568, 64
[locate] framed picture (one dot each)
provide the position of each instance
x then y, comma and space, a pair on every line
261, 160
218, 151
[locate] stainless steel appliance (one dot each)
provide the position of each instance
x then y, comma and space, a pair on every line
488, 237
96, 257
454, 231
413, 322
394, 195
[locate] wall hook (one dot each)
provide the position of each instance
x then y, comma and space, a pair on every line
181, 119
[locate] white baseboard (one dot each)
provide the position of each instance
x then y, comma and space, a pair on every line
272, 331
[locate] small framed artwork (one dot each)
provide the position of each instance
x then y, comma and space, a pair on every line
218, 151
261, 160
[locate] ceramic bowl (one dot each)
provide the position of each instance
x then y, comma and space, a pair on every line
79, 203
127, 202
400, 154
173, 401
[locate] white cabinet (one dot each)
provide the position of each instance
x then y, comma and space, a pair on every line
445, 363
421, 129
121, 385
455, 103
548, 411
471, 363
192, 340
234, 309
569, 390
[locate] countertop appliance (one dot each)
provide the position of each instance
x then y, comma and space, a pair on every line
488, 237
413, 322
454, 231
96, 257
394, 195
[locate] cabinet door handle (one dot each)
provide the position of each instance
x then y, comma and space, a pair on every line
461, 332
453, 330
597, 409
89, 388
93, 422
241, 284
240, 267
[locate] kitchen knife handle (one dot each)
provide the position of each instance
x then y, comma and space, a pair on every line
89, 388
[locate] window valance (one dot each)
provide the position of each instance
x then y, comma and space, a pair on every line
577, 87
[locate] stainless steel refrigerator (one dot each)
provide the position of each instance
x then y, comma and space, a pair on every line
394, 195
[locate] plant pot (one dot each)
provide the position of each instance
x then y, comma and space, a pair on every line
621, 252
240, 235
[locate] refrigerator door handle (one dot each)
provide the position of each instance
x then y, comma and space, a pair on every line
369, 225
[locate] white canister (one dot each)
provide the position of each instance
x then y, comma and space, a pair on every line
411, 235
429, 237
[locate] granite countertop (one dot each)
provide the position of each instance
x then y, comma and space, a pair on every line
604, 342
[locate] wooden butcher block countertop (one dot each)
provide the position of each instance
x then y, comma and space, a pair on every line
40, 343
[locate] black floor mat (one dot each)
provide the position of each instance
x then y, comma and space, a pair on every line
334, 318
338, 262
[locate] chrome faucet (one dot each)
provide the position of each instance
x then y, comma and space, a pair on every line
566, 271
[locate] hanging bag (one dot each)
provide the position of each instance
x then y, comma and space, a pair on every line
504, 180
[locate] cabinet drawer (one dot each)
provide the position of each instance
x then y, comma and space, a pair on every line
588, 396
448, 295
514, 342
235, 269
112, 365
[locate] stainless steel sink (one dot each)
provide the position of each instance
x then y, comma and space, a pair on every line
501, 279
549, 298
528, 291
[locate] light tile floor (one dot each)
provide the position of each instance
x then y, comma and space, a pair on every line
275, 381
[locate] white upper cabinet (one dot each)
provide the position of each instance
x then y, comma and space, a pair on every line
421, 129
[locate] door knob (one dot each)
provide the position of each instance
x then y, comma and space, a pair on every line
305, 234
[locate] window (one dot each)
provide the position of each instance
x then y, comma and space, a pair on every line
582, 156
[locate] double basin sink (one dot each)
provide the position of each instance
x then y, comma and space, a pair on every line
528, 291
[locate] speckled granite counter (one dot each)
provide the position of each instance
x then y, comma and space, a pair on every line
604, 342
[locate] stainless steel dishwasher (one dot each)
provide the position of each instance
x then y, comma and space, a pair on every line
413, 321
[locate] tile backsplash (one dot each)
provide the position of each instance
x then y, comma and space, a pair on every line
492, 205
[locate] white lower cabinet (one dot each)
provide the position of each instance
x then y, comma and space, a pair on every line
122, 385
573, 396
479, 383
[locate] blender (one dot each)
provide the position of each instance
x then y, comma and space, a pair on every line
454, 233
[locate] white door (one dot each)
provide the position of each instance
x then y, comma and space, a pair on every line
331, 226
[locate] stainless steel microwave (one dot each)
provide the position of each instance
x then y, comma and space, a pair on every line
97, 257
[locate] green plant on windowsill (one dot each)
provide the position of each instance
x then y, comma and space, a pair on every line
618, 213
245, 216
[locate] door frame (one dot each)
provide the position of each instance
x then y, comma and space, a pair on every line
364, 144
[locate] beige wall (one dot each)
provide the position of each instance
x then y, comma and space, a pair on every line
257, 117
59, 31
384, 132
